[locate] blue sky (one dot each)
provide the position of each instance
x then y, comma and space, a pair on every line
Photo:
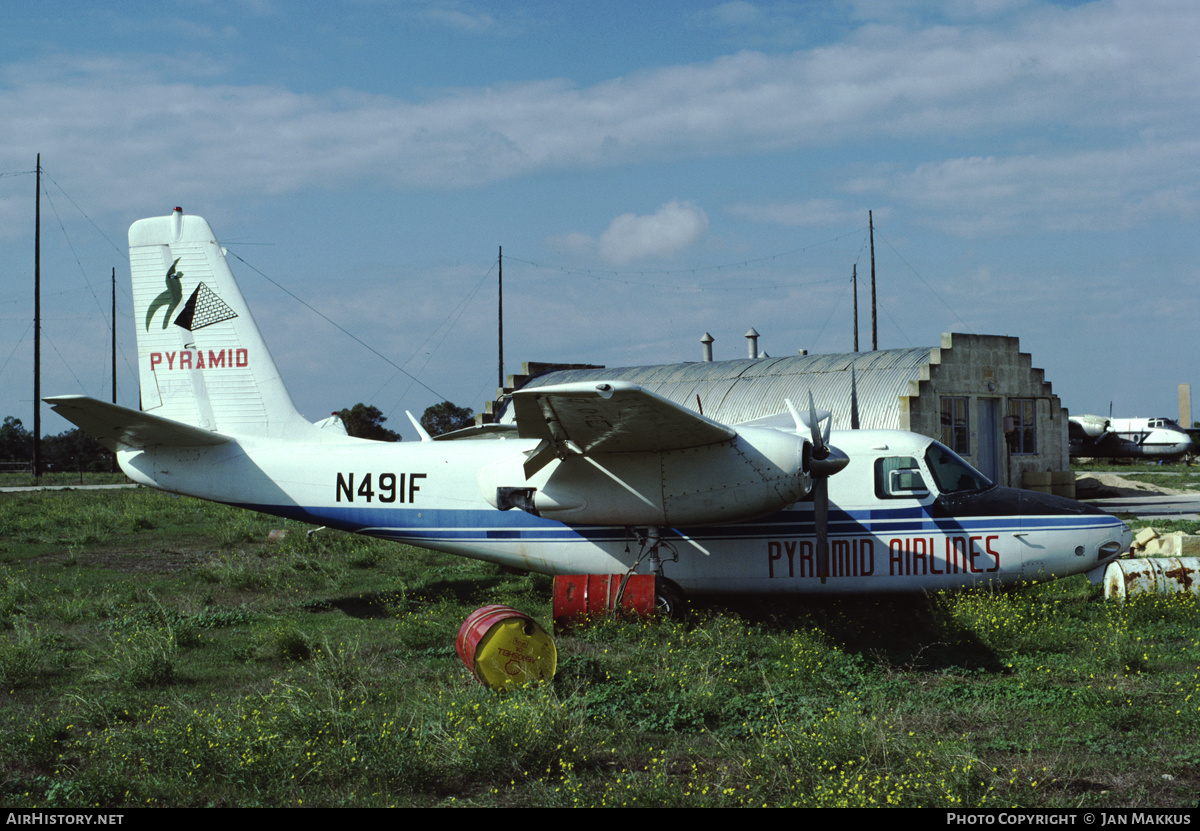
653, 171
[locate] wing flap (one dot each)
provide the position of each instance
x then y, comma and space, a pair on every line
611, 417
118, 427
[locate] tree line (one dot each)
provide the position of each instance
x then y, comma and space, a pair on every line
70, 450
75, 450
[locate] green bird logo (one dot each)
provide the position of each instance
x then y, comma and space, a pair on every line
169, 298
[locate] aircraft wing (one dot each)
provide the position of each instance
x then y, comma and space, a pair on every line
118, 427
608, 417
479, 431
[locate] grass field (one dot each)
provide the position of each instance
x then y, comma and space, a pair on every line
160, 651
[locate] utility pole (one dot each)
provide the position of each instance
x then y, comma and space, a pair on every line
114, 335
37, 324
874, 330
856, 307
500, 327
114, 351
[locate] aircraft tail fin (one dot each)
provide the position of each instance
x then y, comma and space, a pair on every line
201, 358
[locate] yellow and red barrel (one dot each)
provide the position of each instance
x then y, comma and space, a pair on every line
505, 648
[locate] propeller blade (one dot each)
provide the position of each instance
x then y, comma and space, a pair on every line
820, 489
820, 449
822, 459
796, 417
825, 462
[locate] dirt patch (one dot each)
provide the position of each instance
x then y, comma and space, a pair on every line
1110, 485
134, 562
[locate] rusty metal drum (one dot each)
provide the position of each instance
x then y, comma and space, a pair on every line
1158, 575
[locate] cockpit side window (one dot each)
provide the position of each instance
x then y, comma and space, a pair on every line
899, 477
950, 473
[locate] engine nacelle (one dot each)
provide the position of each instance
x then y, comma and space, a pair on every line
1093, 427
759, 472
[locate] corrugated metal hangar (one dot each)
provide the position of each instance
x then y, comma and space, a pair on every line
977, 394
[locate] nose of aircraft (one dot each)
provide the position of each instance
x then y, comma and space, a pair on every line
1088, 536
1059, 534
1178, 441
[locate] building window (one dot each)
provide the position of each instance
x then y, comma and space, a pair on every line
955, 432
1023, 438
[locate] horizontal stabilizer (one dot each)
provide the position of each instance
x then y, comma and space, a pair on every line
120, 428
611, 417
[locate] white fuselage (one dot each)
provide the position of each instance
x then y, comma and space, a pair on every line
1116, 438
435, 494
1153, 436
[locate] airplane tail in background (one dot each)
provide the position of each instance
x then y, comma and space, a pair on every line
201, 358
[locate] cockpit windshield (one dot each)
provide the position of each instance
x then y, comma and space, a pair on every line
950, 473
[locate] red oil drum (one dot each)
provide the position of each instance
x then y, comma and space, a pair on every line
505, 648
579, 597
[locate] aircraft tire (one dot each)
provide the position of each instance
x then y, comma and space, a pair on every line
669, 599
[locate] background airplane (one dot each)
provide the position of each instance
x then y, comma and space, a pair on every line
594, 477
1127, 438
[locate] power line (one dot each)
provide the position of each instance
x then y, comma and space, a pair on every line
339, 327
456, 313
122, 252
924, 283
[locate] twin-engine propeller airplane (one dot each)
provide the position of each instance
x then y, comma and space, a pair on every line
1127, 438
594, 478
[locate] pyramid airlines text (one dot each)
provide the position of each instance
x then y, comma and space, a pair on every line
905, 556
199, 359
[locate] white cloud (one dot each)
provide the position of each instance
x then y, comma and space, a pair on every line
736, 13
1098, 190
571, 243
802, 213
134, 128
456, 19
674, 227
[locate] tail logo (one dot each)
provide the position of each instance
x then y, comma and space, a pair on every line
203, 307
169, 298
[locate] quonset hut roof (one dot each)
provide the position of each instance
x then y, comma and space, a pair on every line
733, 392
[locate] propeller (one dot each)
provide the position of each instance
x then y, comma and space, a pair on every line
822, 467
823, 461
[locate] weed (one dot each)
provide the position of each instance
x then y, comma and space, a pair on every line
22, 656
141, 656
320, 671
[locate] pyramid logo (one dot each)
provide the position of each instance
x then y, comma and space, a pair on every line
202, 309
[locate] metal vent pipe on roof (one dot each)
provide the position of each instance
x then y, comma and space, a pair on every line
752, 344
707, 342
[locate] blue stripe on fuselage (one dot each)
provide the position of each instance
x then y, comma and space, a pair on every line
467, 525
